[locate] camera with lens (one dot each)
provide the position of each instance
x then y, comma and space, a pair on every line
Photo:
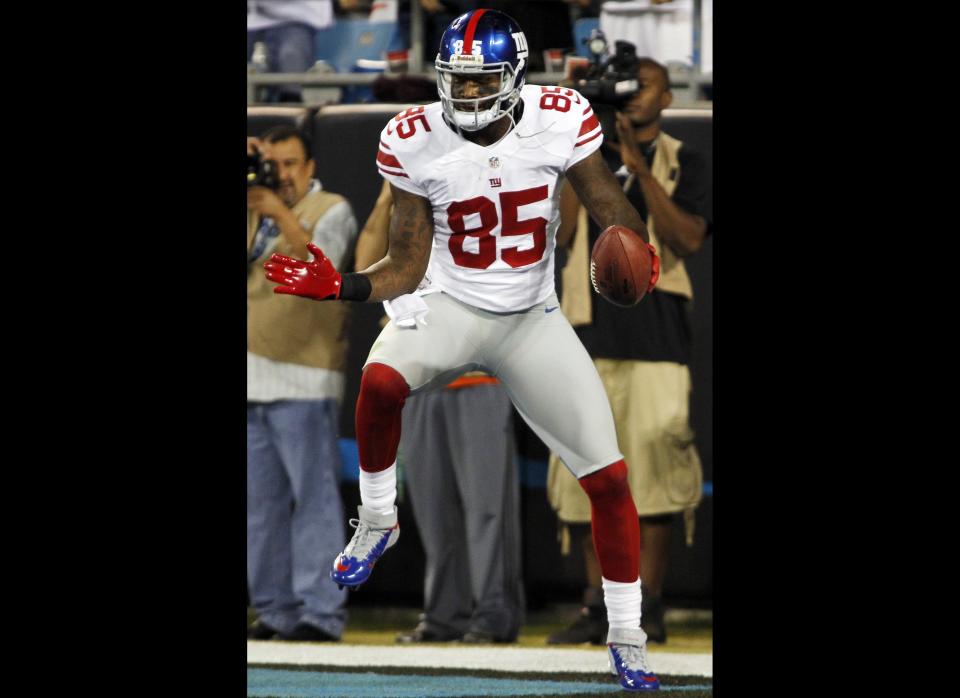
261, 172
611, 80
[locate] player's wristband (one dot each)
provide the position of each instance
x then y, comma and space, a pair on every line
355, 287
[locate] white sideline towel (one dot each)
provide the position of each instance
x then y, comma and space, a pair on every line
405, 311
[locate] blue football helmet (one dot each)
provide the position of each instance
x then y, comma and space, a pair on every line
481, 44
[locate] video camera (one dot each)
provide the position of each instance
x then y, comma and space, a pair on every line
611, 81
261, 173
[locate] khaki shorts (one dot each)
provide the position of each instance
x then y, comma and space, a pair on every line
650, 402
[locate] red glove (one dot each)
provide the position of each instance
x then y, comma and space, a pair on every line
316, 279
654, 267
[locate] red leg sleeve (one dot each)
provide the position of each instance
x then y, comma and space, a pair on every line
616, 528
379, 405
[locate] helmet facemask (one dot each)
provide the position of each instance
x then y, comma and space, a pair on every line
473, 114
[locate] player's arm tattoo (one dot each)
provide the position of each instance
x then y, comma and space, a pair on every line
599, 191
411, 235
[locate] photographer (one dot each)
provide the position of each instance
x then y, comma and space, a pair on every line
296, 355
642, 352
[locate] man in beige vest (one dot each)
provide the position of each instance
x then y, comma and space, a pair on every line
296, 355
642, 353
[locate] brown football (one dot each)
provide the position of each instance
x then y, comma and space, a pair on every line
620, 266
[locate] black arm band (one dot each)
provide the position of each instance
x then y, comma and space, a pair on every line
354, 287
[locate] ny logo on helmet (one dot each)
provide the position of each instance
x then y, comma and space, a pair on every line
521, 42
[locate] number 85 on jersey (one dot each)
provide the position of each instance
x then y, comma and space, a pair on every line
481, 213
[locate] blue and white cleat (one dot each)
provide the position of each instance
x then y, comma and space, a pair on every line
375, 533
627, 651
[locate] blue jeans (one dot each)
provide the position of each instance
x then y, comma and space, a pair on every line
294, 514
290, 49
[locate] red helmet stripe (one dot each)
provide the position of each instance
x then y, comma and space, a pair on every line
471, 28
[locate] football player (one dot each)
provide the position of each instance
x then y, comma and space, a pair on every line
476, 181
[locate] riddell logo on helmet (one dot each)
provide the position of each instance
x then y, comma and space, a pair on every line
466, 60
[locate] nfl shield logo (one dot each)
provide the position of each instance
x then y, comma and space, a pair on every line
494, 162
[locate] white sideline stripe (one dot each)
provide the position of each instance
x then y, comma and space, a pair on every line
495, 658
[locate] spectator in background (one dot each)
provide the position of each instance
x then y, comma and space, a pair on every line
661, 29
287, 29
436, 14
549, 21
296, 354
642, 353
457, 447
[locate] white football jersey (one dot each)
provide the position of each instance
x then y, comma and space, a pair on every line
495, 208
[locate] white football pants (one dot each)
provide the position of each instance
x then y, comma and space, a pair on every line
538, 358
